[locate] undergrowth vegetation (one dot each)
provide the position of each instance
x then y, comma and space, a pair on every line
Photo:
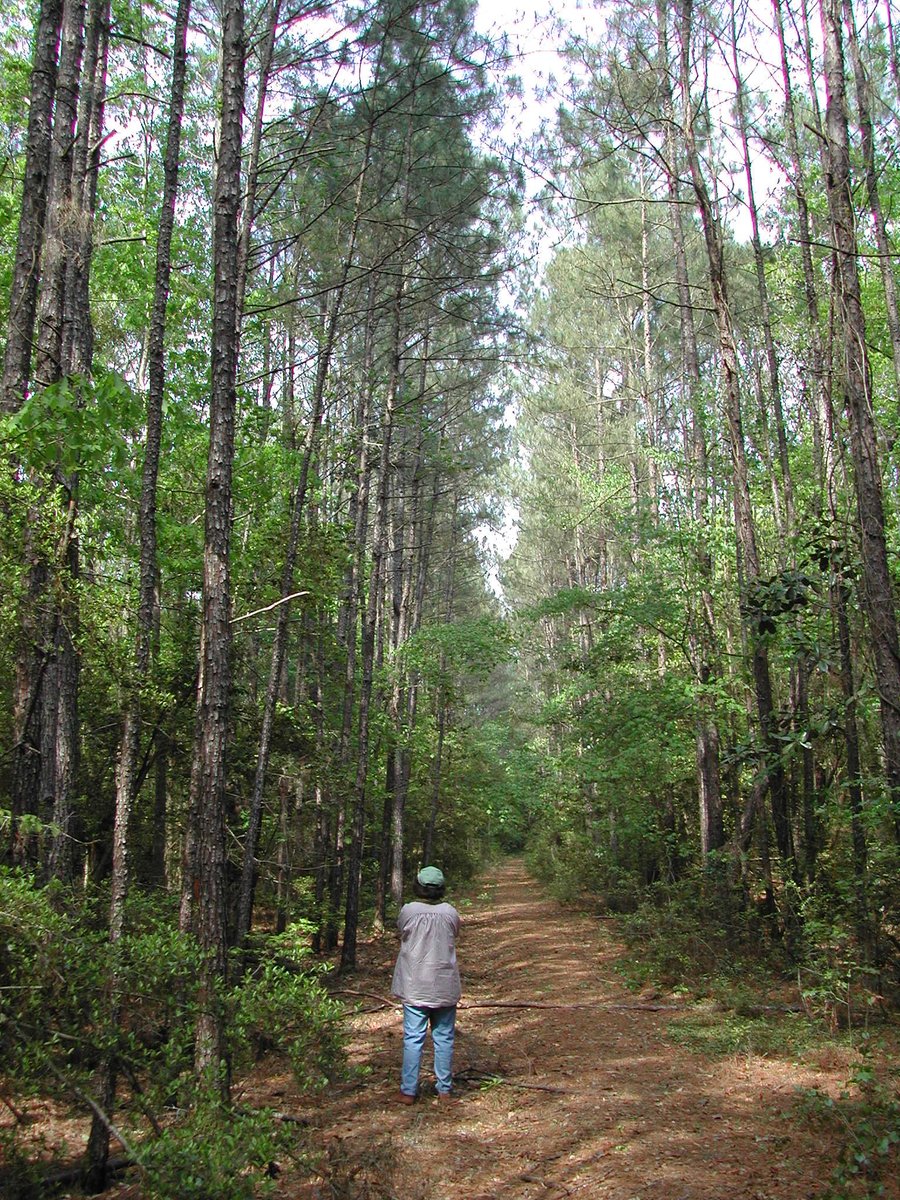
70, 1001
865, 1119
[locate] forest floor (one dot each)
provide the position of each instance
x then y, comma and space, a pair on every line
569, 1084
583, 1093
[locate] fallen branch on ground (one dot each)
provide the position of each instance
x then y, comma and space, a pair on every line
569, 1007
67, 1175
488, 1077
539, 1087
465, 1006
20, 1115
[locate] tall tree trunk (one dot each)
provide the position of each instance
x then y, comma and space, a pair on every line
41, 633
800, 668
870, 168
774, 375
703, 638
353, 606
148, 568
203, 894
254, 822
146, 634
740, 485
877, 586
76, 351
827, 465
251, 840
249, 213
368, 646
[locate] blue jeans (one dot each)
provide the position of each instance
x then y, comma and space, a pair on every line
415, 1025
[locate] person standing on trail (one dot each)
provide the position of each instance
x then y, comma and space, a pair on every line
426, 979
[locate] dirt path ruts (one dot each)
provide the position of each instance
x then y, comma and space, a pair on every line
596, 1103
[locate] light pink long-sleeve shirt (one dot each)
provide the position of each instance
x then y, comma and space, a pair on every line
426, 973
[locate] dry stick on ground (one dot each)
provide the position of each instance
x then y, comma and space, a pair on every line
567, 1007
388, 1003
471, 1076
385, 1000
20, 1116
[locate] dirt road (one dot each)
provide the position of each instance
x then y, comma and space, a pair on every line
591, 1100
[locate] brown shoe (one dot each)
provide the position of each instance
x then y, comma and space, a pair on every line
403, 1098
447, 1098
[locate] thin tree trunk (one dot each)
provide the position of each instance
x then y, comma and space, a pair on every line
148, 569
146, 636
76, 362
35, 182
740, 486
368, 648
251, 841
704, 649
774, 377
203, 895
359, 510
821, 406
35, 693
877, 585
249, 213
867, 137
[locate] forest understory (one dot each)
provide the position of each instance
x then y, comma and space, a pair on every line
411, 458
570, 1084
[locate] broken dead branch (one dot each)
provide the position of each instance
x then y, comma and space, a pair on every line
386, 1002
570, 1007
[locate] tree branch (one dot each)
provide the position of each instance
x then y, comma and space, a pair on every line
268, 608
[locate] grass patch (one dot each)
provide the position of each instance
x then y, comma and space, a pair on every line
720, 1034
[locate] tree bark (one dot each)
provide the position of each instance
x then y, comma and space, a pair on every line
32, 217
703, 638
251, 840
740, 484
877, 586
870, 169
148, 568
203, 894
368, 645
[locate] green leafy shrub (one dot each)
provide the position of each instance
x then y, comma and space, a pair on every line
69, 997
20, 1175
569, 864
69, 1001
283, 1006
692, 932
836, 981
213, 1153
52, 970
866, 1119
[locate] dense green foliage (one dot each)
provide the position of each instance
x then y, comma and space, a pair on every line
643, 618
60, 1017
682, 701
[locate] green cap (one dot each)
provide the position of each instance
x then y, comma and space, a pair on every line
431, 876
